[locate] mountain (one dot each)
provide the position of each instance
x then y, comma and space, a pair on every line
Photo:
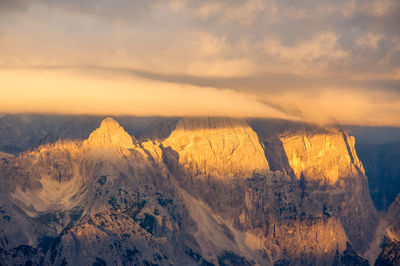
379, 150
390, 253
382, 165
190, 191
218, 147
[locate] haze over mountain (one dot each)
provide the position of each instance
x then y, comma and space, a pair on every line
187, 191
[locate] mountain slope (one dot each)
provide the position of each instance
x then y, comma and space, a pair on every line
208, 194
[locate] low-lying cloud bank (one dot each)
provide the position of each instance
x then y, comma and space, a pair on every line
100, 92
316, 60
94, 91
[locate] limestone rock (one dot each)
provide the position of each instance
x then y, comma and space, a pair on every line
111, 199
327, 157
393, 221
220, 147
110, 135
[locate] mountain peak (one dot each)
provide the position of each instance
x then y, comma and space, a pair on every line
109, 122
109, 134
217, 146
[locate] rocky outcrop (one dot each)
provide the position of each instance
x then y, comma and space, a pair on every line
390, 254
207, 194
330, 160
324, 162
327, 157
109, 134
218, 147
390, 244
105, 200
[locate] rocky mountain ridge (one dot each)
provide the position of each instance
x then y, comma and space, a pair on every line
206, 194
220, 147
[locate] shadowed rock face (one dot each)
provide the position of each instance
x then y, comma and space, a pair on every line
390, 246
205, 195
379, 150
382, 166
393, 221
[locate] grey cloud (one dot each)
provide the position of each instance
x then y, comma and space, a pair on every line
104, 9
277, 83
118, 9
244, 30
270, 83
12, 5
294, 22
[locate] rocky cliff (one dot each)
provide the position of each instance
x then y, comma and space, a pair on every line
213, 191
390, 245
382, 166
220, 147
329, 156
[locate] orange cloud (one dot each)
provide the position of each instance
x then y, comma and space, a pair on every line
60, 91
321, 61
341, 106
83, 91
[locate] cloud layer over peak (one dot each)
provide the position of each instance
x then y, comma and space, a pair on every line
317, 60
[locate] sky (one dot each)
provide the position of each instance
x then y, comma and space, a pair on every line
325, 61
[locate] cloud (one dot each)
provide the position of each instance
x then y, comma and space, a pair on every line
12, 5
242, 12
101, 92
264, 51
319, 51
344, 107
377, 8
119, 92
370, 41
118, 9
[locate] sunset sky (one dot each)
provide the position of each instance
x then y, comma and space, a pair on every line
321, 61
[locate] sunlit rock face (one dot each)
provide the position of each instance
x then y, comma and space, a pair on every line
214, 191
328, 188
110, 135
326, 157
106, 200
54, 180
326, 162
219, 147
47, 178
56, 176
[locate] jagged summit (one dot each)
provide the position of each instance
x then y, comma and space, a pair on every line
109, 134
113, 200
